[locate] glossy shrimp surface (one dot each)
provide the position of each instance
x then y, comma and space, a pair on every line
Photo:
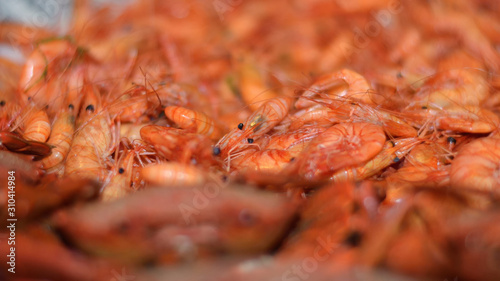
252, 140
190, 119
342, 145
476, 165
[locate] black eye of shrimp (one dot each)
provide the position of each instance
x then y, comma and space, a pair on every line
121, 171
216, 151
451, 140
90, 108
2, 103
246, 218
250, 140
354, 238
71, 106
240, 126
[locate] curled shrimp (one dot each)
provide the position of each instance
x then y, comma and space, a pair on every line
455, 87
61, 138
343, 145
476, 166
269, 161
133, 105
393, 152
358, 88
466, 119
173, 174
192, 120
260, 122
36, 125
178, 145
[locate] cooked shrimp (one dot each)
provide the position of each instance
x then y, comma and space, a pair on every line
260, 122
343, 145
393, 152
476, 166
36, 125
253, 89
50, 59
358, 88
178, 145
91, 146
466, 119
134, 105
456, 87
61, 138
193, 120
293, 139
121, 178
270, 161
173, 174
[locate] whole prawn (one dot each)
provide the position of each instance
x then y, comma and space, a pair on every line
61, 137
92, 142
358, 88
260, 122
120, 181
343, 145
177, 145
476, 166
36, 125
393, 152
193, 120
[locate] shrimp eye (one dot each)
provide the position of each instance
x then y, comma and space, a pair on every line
396, 160
451, 140
292, 159
2, 103
90, 108
121, 171
250, 140
424, 107
71, 106
240, 126
246, 218
354, 238
399, 75
216, 151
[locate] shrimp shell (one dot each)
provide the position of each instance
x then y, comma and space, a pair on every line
173, 174
476, 166
37, 126
343, 145
194, 120
259, 123
60, 138
91, 144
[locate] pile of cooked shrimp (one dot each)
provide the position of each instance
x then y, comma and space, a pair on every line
255, 140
